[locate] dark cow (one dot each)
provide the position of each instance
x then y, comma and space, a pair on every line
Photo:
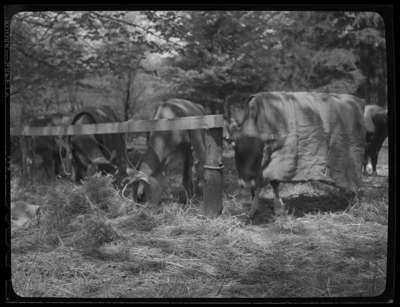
299, 136
375, 118
46, 151
167, 146
101, 152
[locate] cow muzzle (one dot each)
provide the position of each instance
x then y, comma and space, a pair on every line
100, 160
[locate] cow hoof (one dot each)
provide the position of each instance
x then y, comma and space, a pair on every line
251, 214
374, 174
249, 220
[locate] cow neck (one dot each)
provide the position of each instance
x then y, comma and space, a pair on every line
78, 116
93, 121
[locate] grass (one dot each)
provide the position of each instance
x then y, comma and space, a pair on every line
92, 243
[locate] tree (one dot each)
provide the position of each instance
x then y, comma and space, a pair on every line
60, 49
332, 51
224, 56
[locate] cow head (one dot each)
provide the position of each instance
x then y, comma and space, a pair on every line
144, 188
251, 146
95, 153
248, 159
248, 150
88, 157
149, 171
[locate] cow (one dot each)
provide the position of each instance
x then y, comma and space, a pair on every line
167, 146
299, 137
376, 123
47, 152
105, 153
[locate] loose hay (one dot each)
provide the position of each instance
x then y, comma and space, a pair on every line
82, 248
139, 221
95, 232
100, 191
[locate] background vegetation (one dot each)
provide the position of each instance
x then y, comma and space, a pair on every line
132, 60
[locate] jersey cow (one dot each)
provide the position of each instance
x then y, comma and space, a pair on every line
375, 118
299, 136
167, 146
100, 152
46, 152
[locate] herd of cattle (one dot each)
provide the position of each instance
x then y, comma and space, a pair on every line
281, 137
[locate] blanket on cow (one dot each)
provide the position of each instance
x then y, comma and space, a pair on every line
310, 136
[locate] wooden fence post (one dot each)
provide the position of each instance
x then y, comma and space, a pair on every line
212, 206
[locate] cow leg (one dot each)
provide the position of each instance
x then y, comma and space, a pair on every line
187, 172
77, 169
57, 164
374, 161
48, 169
364, 164
279, 206
255, 203
48, 165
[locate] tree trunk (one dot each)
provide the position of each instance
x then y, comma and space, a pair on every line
127, 96
227, 109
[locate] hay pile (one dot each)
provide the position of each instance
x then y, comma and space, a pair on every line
92, 243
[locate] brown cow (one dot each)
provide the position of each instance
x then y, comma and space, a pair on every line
167, 146
299, 136
100, 152
376, 123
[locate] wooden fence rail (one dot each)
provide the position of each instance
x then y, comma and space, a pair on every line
181, 123
212, 123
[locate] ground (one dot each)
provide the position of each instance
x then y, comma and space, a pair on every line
91, 243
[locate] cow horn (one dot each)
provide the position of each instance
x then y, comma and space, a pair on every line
100, 160
123, 192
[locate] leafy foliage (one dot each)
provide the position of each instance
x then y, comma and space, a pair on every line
216, 58
228, 55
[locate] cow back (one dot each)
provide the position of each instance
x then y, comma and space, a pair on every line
162, 144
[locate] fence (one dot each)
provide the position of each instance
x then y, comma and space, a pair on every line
213, 124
